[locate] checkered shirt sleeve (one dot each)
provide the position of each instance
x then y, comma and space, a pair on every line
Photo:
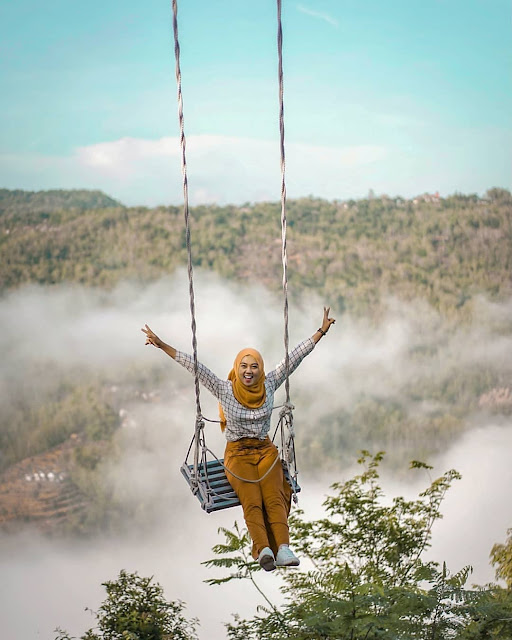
295, 358
206, 377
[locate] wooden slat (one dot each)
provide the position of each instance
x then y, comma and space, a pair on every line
217, 493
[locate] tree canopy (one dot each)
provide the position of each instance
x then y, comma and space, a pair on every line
135, 609
363, 576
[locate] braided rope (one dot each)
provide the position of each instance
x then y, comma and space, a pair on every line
287, 411
284, 256
199, 418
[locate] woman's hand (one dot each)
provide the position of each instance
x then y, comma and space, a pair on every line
151, 337
326, 324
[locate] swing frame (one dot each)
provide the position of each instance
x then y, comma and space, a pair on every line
212, 487
208, 479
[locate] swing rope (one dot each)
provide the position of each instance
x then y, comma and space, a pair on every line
199, 427
286, 416
284, 255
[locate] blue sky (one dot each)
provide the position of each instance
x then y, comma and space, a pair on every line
401, 97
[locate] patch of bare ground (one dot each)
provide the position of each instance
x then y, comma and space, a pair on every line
38, 491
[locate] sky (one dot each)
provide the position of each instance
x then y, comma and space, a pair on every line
401, 97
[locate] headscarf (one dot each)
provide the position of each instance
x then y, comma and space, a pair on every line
251, 397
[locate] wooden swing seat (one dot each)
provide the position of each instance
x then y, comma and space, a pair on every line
213, 489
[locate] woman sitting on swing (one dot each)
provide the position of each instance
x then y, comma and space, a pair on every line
246, 400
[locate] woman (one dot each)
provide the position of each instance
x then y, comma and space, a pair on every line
246, 400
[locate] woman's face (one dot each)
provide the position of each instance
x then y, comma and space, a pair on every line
249, 371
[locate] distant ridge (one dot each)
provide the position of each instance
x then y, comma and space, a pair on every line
22, 202
356, 254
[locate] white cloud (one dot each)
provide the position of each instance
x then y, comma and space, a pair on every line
124, 153
221, 169
226, 169
318, 14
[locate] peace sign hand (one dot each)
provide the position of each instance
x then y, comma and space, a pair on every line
151, 337
326, 322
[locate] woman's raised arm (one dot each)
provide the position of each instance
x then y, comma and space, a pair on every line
152, 338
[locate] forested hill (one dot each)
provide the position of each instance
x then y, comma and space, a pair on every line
352, 253
24, 204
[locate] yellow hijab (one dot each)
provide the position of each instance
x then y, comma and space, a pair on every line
251, 397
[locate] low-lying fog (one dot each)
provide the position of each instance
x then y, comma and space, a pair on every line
48, 582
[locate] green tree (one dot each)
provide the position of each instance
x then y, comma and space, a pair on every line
490, 615
135, 609
365, 578
501, 558
497, 194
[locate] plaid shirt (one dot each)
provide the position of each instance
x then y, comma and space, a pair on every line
242, 422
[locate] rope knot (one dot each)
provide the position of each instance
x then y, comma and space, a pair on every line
286, 416
286, 409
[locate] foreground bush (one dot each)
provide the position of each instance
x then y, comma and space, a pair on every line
135, 609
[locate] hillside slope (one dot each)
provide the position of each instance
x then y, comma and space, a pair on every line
39, 492
352, 253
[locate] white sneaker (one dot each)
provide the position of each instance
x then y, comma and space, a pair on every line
286, 557
266, 559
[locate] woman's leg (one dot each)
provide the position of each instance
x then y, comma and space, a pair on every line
245, 464
276, 497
